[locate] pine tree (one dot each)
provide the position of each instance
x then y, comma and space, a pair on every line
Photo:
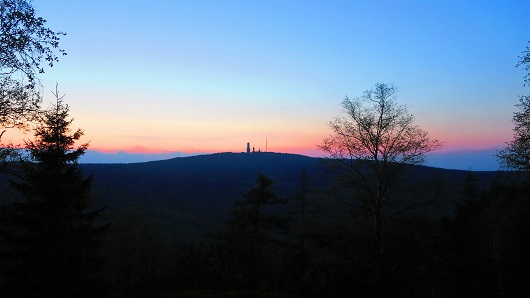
250, 219
51, 238
256, 229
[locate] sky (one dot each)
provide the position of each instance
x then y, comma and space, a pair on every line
161, 77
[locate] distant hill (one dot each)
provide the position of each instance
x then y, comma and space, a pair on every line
198, 191
204, 184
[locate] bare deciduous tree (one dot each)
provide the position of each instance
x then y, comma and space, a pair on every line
371, 147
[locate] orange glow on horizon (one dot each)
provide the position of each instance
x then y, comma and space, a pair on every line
286, 141
303, 150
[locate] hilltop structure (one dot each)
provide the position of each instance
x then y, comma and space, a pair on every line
253, 149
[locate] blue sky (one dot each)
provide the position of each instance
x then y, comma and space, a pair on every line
209, 76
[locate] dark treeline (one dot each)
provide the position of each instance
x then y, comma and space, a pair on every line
311, 242
273, 247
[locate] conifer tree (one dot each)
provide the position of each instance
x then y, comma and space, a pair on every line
51, 237
249, 219
255, 230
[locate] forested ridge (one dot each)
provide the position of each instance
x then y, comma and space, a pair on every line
201, 189
170, 217
205, 186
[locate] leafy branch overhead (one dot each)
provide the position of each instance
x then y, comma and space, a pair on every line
525, 62
25, 42
26, 47
516, 155
18, 104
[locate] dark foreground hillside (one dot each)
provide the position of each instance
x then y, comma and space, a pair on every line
215, 179
198, 191
212, 226
195, 194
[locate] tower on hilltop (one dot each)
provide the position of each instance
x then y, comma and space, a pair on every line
248, 147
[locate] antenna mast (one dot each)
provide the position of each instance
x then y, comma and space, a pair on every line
266, 148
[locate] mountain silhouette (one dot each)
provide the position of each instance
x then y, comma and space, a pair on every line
198, 192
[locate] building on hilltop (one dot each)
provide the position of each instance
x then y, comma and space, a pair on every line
253, 148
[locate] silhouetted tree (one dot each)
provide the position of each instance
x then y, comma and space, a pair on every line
250, 218
525, 62
511, 236
141, 270
370, 149
8, 155
254, 231
515, 241
471, 233
516, 155
52, 236
18, 104
25, 45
